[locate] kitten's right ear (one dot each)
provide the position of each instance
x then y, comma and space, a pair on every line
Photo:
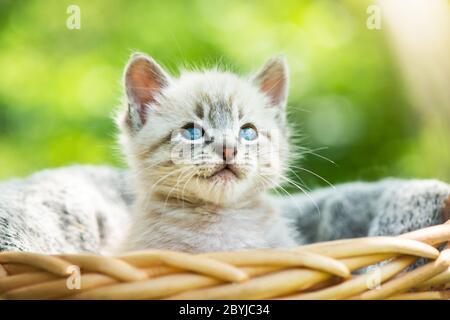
144, 79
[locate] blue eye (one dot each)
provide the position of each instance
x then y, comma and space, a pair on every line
248, 133
192, 132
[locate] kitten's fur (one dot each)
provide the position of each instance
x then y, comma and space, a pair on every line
185, 206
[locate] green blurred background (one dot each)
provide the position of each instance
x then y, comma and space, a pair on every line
58, 87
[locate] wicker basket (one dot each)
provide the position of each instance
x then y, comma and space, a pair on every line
317, 271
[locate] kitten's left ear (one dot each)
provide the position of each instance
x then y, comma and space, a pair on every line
272, 79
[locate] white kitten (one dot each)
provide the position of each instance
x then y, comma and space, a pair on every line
203, 149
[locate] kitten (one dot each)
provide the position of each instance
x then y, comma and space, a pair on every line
203, 150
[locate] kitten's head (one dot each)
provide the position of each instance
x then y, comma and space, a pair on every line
204, 137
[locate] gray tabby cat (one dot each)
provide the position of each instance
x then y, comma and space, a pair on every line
231, 143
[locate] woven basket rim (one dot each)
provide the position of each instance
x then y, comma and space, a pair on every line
315, 271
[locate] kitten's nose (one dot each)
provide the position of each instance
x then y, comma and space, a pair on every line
225, 147
228, 153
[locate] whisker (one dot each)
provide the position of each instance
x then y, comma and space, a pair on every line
184, 188
315, 174
303, 190
186, 170
163, 178
313, 152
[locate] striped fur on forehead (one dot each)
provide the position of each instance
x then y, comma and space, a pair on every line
218, 110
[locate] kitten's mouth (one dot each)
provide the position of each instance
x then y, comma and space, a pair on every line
227, 172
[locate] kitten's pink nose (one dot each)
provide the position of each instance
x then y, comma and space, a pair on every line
228, 153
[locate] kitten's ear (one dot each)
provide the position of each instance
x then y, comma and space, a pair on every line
272, 79
144, 79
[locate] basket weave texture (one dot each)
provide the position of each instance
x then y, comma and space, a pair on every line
318, 271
